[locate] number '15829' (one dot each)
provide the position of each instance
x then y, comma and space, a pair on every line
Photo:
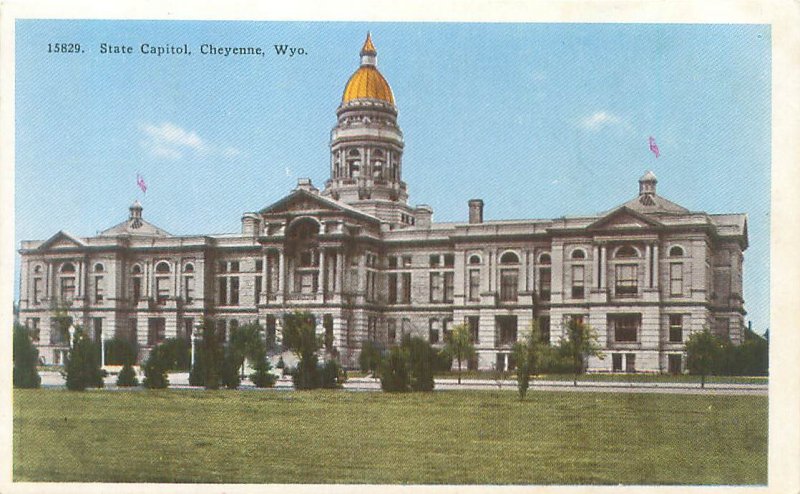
64, 48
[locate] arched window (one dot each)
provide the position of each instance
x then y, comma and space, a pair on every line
98, 268
676, 251
67, 267
544, 258
509, 258
189, 268
37, 269
626, 251
474, 259
578, 254
162, 267
136, 269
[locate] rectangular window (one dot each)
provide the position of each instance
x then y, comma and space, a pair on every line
449, 260
676, 279
37, 290
392, 262
234, 267
271, 327
67, 289
436, 286
98, 289
577, 282
59, 330
97, 323
222, 290
234, 298
626, 327
259, 265
257, 294
474, 285
434, 260
222, 267
391, 331
675, 328
616, 362
188, 328
392, 280
133, 334
473, 322
446, 329
156, 330
544, 328
674, 363
433, 331
406, 288
506, 329
508, 285
188, 289
630, 362
33, 327
545, 277
137, 289
162, 290
449, 287
627, 282
406, 261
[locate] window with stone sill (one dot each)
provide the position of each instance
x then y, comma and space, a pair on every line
627, 281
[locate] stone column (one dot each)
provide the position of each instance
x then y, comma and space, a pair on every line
596, 266
362, 273
79, 279
655, 266
321, 281
603, 266
281, 272
339, 279
265, 281
647, 266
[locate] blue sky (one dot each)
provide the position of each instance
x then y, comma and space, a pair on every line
539, 120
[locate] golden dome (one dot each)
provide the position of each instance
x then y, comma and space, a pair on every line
367, 82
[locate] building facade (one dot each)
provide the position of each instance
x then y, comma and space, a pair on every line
369, 266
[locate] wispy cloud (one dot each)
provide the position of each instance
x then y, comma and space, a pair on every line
600, 119
167, 140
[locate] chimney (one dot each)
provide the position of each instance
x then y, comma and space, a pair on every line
250, 224
475, 211
423, 215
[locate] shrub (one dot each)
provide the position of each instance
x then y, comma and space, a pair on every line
197, 376
330, 375
83, 364
421, 357
370, 358
394, 371
306, 374
281, 364
176, 354
230, 370
211, 356
26, 357
127, 377
120, 352
155, 368
443, 361
262, 377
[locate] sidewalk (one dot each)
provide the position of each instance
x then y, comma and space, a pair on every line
180, 380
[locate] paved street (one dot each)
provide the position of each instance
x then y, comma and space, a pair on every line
180, 380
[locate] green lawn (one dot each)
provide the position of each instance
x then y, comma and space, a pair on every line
364, 437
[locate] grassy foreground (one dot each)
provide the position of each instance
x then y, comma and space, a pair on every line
348, 437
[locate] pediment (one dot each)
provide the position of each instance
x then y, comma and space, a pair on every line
62, 240
302, 202
624, 219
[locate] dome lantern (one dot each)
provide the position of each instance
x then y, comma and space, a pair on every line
367, 82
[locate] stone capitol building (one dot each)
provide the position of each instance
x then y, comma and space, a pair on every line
369, 266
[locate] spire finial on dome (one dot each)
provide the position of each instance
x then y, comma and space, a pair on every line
369, 55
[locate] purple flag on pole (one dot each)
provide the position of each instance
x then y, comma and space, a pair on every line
140, 183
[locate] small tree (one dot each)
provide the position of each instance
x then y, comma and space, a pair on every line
230, 369
26, 357
394, 371
531, 355
299, 336
421, 358
370, 358
83, 364
460, 346
120, 351
209, 359
156, 366
127, 377
247, 344
262, 377
581, 343
703, 351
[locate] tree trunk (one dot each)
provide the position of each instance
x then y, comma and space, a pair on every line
702, 381
459, 371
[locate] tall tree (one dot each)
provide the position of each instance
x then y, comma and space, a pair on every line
246, 343
703, 353
300, 337
460, 345
83, 363
26, 358
581, 343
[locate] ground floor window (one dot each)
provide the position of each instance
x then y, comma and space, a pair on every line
156, 330
506, 333
616, 362
505, 362
630, 362
626, 361
674, 363
473, 322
